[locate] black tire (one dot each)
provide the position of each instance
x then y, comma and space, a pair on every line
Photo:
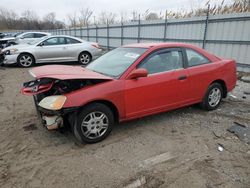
94, 129
84, 58
25, 60
210, 101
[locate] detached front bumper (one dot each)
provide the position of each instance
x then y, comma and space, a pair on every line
55, 119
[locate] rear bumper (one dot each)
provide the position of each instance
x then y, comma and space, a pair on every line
96, 53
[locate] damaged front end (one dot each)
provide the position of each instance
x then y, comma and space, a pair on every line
49, 97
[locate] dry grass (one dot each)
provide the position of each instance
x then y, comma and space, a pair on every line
237, 6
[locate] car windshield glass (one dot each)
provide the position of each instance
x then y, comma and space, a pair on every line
37, 40
17, 34
116, 62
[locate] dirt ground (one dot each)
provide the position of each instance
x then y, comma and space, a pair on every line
172, 149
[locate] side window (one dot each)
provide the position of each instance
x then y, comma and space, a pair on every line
28, 35
54, 41
163, 61
194, 58
72, 41
39, 35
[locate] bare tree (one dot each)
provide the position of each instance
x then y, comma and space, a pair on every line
8, 18
106, 17
73, 21
30, 15
123, 16
84, 17
49, 20
152, 16
135, 15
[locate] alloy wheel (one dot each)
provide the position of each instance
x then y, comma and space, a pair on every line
26, 60
85, 58
214, 97
94, 125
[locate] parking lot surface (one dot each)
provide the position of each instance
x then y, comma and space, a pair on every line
187, 147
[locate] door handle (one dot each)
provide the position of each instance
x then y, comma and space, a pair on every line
183, 77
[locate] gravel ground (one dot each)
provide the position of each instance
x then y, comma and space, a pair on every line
173, 149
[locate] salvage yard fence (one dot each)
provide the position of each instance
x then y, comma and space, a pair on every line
224, 35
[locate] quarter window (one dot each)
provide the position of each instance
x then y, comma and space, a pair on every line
39, 35
194, 58
29, 35
163, 61
54, 41
72, 41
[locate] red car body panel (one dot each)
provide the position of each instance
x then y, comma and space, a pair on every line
134, 98
64, 72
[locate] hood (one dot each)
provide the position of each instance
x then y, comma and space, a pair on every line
64, 72
7, 38
19, 46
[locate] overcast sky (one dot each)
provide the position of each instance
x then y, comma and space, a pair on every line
64, 7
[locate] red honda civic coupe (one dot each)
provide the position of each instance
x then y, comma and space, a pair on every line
128, 82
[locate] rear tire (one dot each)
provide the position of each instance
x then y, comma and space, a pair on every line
213, 97
94, 123
25, 60
84, 58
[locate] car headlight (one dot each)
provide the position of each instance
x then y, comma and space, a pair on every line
11, 51
55, 102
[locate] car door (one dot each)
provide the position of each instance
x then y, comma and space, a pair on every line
53, 49
166, 86
201, 73
75, 47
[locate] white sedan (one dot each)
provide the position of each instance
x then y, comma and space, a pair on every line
59, 48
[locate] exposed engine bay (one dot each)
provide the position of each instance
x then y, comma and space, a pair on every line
43, 88
51, 86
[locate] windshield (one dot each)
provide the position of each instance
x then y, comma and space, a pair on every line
37, 40
17, 34
116, 62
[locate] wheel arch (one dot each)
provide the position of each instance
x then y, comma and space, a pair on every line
28, 54
85, 51
109, 104
223, 85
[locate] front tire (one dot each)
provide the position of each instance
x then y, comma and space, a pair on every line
84, 58
94, 123
25, 60
213, 97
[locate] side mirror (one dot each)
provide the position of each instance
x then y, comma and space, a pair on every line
41, 44
137, 73
21, 37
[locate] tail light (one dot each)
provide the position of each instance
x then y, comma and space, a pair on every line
96, 45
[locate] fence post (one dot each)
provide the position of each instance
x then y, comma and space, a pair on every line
165, 28
121, 33
87, 32
205, 30
107, 35
96, 33
139, 29
80, 32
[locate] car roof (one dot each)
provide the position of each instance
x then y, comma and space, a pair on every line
159, 45
51, 36
35, 32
